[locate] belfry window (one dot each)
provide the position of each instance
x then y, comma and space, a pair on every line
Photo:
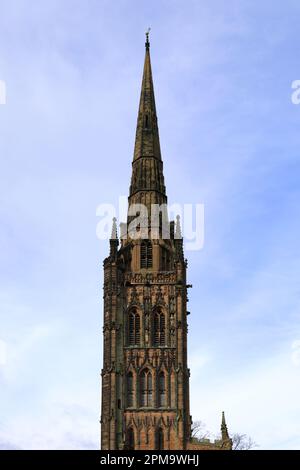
134, 328
158, 328
146, 388
146, 254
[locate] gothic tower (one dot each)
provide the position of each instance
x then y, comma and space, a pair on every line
145, 378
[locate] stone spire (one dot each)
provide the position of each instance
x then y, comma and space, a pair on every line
147, 138
224, 430
147, 167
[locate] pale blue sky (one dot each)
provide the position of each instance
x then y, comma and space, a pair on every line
230, 140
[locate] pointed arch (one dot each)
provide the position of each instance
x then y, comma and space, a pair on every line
134, 328
158, 328
146, 391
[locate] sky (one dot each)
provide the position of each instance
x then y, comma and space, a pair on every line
229, 131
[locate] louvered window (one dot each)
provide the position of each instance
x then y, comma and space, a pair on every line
146, 254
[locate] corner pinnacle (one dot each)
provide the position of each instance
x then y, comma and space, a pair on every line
114, 231
178, 233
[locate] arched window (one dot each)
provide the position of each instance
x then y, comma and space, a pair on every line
133, 328
159, 439
146, 254
158, 331
129, 389
146, 388
130, 439
161, 390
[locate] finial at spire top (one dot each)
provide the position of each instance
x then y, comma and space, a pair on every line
147, 44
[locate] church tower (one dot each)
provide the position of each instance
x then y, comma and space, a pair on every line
145, 377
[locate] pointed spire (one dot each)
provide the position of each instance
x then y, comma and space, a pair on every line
147, 170
147, 138
224, 430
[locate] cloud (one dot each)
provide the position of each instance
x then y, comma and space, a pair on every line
61, 426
